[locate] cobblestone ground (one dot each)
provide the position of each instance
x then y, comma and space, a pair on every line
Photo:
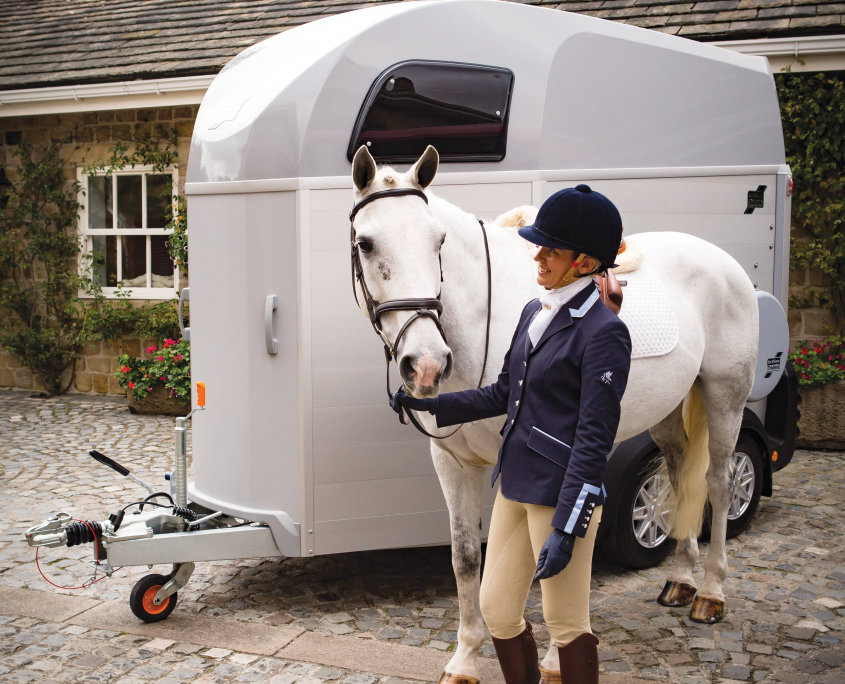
786, 583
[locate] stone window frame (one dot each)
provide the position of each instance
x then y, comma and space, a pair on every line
87, 234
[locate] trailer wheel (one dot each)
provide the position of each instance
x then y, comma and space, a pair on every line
141, 599
642, 524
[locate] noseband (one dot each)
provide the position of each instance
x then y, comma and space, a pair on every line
423, 307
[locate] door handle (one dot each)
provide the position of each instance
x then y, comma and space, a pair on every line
271, 303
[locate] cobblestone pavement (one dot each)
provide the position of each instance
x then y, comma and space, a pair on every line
786, 584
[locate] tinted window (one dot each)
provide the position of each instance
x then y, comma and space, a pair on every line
461, 109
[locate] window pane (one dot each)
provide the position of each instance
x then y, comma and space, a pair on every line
134, 261
99, 202
104, 266
162, 266
461, 109
129, 202
159, 200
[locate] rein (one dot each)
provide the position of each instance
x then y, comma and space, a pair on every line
422, 307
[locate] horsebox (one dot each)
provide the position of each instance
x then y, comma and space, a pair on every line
296, 452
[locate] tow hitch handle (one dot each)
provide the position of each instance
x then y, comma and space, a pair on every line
105, 460
123, 470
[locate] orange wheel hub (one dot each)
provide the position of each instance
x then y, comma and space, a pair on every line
149, 605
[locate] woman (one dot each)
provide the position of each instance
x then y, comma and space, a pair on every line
560, 386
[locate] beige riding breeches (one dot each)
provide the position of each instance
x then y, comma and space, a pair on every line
517, 533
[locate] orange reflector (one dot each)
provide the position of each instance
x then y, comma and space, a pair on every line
774, 455
200, 394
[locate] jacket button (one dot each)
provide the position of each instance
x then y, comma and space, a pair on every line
511, 421
525, 363
516, 402
520, 383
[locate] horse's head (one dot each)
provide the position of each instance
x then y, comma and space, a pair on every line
396, 244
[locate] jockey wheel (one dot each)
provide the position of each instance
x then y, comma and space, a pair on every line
142, 603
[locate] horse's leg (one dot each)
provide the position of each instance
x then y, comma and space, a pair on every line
671, 439
724, 418
462, 488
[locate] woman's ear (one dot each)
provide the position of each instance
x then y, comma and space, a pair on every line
586, 264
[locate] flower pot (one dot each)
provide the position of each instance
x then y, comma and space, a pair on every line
822, 422
159, 402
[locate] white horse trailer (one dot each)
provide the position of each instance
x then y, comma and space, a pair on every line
520, 101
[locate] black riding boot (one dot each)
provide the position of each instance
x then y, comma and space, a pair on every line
518, 657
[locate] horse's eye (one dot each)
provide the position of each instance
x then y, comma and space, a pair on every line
365, 246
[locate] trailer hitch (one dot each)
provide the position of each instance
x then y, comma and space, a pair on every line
50, 533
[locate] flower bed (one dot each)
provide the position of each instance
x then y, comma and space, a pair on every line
163, 374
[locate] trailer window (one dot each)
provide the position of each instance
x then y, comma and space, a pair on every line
461, 109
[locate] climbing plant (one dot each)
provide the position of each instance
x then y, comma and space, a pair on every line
42, 320
813, 115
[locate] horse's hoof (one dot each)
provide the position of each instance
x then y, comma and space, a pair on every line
676, 594
707, 610
549, 677
447, 678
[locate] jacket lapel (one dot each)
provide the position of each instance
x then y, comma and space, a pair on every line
563, 318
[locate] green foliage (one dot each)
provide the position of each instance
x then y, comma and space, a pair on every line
168, 366
819, 362
113, 320
43, 321
177, 243
813, 114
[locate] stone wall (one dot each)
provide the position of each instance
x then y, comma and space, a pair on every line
809, 318
86, 138
94, 370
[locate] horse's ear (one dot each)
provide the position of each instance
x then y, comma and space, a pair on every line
423, 171
363, 168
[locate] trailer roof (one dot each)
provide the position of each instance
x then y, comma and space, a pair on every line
56, 42
587, 93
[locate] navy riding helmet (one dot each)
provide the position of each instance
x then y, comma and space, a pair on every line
580, 219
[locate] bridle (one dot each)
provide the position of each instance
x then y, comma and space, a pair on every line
422, 307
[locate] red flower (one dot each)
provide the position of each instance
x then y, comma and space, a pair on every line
169, 343
125, 369
159, 358
131, 385
150, 350
803, 351
163, 378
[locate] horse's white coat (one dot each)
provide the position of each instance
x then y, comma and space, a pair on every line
713, 301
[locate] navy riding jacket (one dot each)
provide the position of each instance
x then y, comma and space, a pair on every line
561, 398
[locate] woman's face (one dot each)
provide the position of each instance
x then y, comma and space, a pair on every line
553, 265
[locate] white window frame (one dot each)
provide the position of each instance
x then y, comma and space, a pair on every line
87, 234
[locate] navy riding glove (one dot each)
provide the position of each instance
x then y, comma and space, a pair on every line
401, 400
555, 554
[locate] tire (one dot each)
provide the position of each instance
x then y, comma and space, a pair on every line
642, 524
141, 599
746, 485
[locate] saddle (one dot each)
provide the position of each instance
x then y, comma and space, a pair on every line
610, 289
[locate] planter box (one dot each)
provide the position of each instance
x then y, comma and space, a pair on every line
822, 422
158, 402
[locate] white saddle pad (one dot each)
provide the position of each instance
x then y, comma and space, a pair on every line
648, 313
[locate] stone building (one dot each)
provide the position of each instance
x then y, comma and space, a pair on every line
90, 74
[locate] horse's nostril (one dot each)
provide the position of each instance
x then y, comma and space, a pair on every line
447, 370
406, 367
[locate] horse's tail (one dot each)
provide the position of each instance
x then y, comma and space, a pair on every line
691, 486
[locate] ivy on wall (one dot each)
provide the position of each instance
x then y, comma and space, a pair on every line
813, 115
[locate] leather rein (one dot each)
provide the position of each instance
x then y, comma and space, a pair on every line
423, 307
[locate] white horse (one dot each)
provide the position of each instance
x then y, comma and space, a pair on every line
410, 248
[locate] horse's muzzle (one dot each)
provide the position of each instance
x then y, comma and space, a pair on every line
425, 373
